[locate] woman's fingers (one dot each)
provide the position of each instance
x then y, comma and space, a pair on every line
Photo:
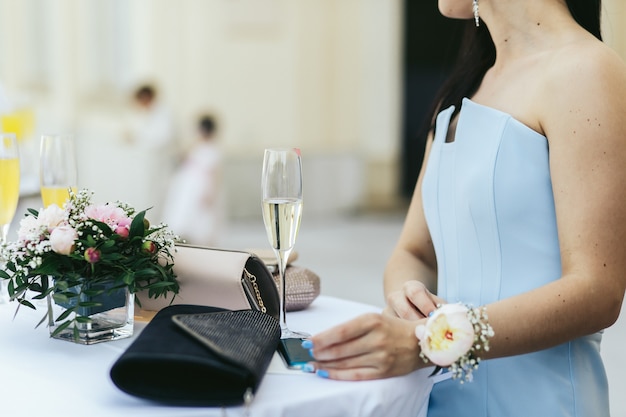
368, 347
399, 305
349, 374
420, 297
342, 334
412, 302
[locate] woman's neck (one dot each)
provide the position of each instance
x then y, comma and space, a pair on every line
523, 28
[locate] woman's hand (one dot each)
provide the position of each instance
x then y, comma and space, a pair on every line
371, 346
412, 302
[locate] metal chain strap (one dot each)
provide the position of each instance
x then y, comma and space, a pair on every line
252, 279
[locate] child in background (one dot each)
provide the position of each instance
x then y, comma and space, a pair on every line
193, 208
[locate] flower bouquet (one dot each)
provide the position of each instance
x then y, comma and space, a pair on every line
87, 261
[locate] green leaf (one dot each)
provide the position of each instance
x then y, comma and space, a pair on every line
83, 319
61, 285
26, 303
128, 278
137, 227
42, 295
65, 314
60, 328
93, 292
89, 304
61, 298
91, 242
105, 228
108, 244
159, 284
43, 319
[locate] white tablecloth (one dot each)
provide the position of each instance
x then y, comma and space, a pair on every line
40, 376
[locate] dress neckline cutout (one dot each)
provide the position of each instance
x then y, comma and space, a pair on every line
467, 102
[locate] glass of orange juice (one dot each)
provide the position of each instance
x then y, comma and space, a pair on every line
9, 181
9, 190
57, 168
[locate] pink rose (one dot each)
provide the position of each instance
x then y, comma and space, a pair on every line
62, 239
124, 222
92, 255
122, 231
447, 335
110, 214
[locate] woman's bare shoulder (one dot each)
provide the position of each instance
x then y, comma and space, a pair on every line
583, 78
586, 64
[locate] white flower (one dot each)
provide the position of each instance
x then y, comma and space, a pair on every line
51, 217
447, 335
33, 228
30, 229
62, 239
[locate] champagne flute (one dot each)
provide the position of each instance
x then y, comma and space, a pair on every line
9, 191
57, 169
281, 183
57, 173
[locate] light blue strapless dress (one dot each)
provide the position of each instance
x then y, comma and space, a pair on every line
490, 210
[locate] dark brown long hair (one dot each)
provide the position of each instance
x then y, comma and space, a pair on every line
478, 53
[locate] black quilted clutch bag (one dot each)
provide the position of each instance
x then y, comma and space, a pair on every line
199, 355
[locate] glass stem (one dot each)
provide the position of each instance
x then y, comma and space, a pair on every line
50, 312
282, 256
4, 293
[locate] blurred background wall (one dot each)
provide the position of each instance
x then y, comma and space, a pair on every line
327, 76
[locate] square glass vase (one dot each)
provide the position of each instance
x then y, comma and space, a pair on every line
112, 319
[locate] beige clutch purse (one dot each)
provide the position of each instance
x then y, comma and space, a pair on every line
235, 280
302, 286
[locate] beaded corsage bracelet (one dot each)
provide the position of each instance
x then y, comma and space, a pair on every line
453, 336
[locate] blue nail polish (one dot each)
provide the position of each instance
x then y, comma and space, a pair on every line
307, 367
307, 344
311, 353
322, 373
431, 313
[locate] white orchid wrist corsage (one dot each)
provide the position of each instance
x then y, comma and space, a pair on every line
453, 336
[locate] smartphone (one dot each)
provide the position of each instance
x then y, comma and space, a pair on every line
293, 354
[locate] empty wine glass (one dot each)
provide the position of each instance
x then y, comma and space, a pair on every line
57, 169
9, 191
281, 183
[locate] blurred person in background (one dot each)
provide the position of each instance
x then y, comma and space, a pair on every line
194, 207
150, 131
150, 124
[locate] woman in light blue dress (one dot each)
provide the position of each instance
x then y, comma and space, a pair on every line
521, 208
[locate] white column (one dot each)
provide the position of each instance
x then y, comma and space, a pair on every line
614, 25
62, 49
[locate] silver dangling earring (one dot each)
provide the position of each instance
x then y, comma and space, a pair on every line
475, 9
